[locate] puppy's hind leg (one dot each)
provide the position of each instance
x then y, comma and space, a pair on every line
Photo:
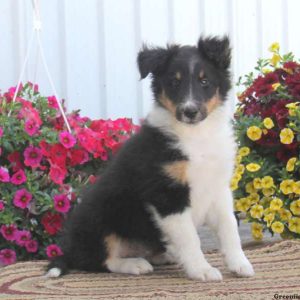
128, 265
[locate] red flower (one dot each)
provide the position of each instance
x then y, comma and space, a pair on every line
263, 90
15, 160
78, 157
270, 78
296, 91
52, 222
57, 174
58, 155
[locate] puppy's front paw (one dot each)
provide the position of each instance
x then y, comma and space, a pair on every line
205, 274
240, 265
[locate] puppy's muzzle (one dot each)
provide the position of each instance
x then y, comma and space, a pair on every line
190, 113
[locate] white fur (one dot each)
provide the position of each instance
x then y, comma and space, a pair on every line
53, 273
135, 266
210, 148
183, 244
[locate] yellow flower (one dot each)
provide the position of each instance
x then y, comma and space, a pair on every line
275, 86
275, 59
236, 177
276, 204
256, 211
253, 198
295, 207
254, 133
252, 167
290, 166
250, 188
284, 214
257, 183
238, 159
266, 70
274, 47
294, 225
267, 182
296, 187
292, 105
257, 231
268, 123
286, 186
286, 136
240, 169
242, 204
269, 218
234, 185
277, 227
244, 151
268, 192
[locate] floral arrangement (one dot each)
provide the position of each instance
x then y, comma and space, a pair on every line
43, 167
266, 182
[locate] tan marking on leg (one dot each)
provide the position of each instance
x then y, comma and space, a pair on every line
177, 171
178, 75
113, 246
213, 103
167, 103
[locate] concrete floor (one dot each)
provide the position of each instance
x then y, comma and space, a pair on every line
209, 241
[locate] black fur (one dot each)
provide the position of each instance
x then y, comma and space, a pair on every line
119, 202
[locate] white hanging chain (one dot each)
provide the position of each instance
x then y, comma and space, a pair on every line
37, 26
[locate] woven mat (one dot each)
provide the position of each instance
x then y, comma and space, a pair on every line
277, 269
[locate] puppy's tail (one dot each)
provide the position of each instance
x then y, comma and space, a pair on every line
57, 267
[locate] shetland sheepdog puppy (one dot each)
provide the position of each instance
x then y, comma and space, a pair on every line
168, 179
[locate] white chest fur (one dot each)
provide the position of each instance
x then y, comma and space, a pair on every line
210, 149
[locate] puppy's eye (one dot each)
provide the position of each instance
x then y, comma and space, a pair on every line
204, 81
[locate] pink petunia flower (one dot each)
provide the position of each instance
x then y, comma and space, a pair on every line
33, 156
1, 132
61, 203
31, 127
22, 237
4, 175
67, 139
52, 102
2, 207
9, 232
53, 250
32, 246
22, 198
8, 256
18, 178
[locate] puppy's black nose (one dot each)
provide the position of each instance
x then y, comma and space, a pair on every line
190, 112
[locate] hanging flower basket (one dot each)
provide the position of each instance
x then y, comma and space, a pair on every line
266, 182
43, 167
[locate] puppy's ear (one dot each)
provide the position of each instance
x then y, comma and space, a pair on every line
217, 50
154, 60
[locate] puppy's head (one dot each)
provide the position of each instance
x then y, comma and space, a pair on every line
190, 82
